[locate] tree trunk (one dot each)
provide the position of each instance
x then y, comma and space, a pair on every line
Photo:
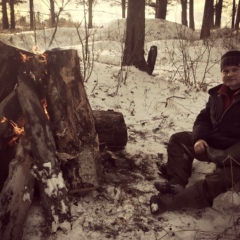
31, 9
238, 17
123, 8
90, 15
205, 31
5, 22
161, 9
12, 14
191, 15
218, 11
17, 194
135, 35
52, 12
233, 14
184, 12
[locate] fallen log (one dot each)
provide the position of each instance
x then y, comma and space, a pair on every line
111, 128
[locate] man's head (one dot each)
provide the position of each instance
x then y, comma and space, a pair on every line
230, 68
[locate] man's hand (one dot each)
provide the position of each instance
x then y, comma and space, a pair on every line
199, 146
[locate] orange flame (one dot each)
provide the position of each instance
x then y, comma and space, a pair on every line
43, 58
3, 120
44, 104
24, 57
17, 130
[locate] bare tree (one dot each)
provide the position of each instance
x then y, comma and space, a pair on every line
207, 15
218, 13
123, 8
161, 9
5, 21
12, 14
90, 13
191, 14
233, 13
52, 12
135, 36
238, 16
184, 12
31, 9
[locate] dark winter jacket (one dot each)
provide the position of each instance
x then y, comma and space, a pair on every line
220, 128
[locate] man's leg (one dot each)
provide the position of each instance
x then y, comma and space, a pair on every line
222, 179
200, 194
179, 165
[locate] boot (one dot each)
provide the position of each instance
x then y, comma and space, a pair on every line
225, 157
192, 197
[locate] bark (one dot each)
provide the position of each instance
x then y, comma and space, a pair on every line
46, 164
218, 11
135, 35
161, 9
184, 12
10, 58
233, 13
191, 15
205, 31
16, 195
31, 9
90, 13
5, 22
71, 115
123, 8
52, 12
238, 17
12, 13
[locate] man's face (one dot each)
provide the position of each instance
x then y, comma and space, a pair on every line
231, 77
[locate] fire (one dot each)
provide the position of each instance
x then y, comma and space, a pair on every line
17, 130
24, 57
43, 58
3, 120
44, 104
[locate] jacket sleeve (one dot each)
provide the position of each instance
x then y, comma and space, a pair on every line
202, 125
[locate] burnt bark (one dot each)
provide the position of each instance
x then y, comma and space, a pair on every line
71, 115
46, 164
17, 194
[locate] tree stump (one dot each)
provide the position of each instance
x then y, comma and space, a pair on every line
151, 60
58, 145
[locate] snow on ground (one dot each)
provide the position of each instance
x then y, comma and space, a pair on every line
154, 107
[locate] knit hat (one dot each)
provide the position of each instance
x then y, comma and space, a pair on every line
230, 58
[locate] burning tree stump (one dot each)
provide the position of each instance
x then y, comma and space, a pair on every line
57, 145
46, 165
72, 118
